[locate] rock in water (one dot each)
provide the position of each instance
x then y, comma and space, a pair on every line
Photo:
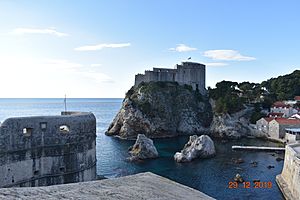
142, 149
238, 178
162, 109
197, 147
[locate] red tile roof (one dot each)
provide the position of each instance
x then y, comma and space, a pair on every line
275, 113
280, 104
297, 98
288, 121
268, 119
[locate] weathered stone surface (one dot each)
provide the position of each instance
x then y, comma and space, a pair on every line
143, 149
197, 147
139, 186
289, 179
189, 73
162, 109
47, 150
234, 126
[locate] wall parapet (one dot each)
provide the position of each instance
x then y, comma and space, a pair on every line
289, 180
47, 150
189, 73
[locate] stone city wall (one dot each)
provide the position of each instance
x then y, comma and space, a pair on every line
47, 150
289, 180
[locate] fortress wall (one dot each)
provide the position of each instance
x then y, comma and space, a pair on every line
186, 73
47, 154
289, 179
151, 76
138, 79
166, 76
192, 74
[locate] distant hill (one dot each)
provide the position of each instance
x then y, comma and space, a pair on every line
283, 87
231, 96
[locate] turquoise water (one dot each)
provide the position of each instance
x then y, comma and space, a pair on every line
211, 176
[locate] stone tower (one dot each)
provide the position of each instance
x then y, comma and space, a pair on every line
189, 73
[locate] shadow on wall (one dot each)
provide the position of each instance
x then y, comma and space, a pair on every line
48, 150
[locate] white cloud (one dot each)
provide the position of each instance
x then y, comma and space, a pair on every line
98, 77
226, 55
102, 46
182, 48
216, 64
95, 65
49, 31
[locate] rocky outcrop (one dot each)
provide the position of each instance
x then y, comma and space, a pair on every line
236, 125
162, 109
197, 147
142, 149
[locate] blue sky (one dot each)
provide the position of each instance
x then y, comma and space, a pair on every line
94, 48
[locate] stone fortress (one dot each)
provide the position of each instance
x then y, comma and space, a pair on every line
189, 73
54, 150
289, 180
48, 150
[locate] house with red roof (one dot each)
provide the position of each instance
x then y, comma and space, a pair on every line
277, 127
293, 102
263, 124
295, 116
281, 107
275, 115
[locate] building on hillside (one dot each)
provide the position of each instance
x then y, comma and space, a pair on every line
294, 101
295, 116
277, 127
263, 124
189, 73
290, 102
281, 107
275, 115
292, 135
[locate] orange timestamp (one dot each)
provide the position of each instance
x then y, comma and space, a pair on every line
258, 184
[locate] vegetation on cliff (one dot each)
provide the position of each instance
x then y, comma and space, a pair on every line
283, 87
162, 109
230, 97
158, 99
226, 97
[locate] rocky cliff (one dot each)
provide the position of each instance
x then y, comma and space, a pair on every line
234, 126
162, 109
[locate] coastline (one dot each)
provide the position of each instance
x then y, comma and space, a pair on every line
112, 152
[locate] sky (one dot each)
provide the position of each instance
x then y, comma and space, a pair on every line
93, 49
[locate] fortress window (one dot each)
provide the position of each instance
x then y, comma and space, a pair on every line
62, 169
64, 129
43, 125
27, 131
36, 172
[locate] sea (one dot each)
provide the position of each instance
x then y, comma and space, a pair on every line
212, 176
